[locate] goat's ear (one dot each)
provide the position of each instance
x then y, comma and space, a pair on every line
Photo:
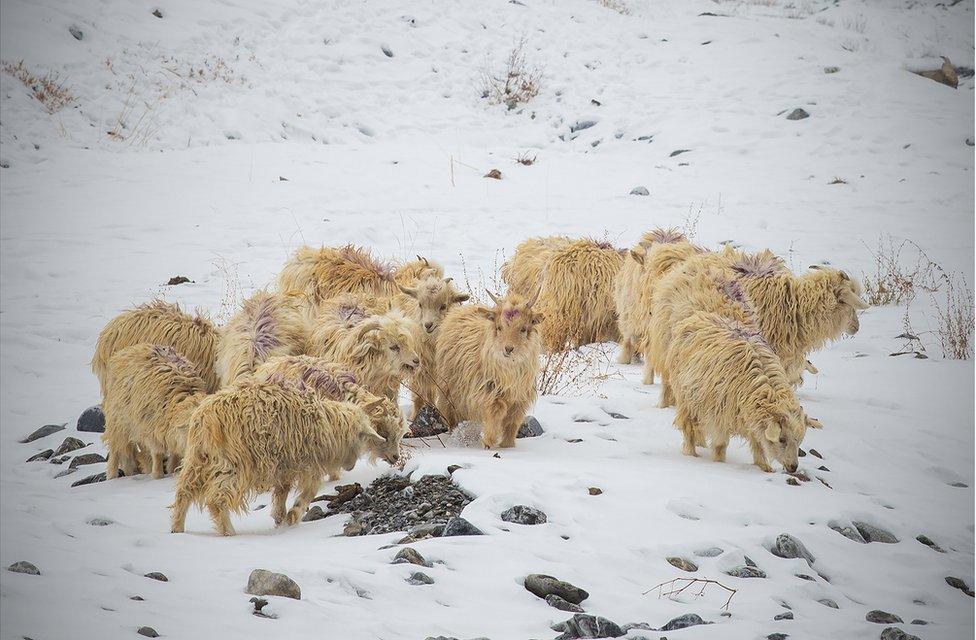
370, 436
848, 296
773, 431
537, 318
637, 256
460, 297
408, 291
487, 313
448, 280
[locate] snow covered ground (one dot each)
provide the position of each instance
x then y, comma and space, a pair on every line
214, 140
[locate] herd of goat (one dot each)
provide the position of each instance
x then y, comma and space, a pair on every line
304, 378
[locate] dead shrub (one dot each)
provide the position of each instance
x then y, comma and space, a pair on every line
894, 280
616, 5
517, 83
576, 372
49, 89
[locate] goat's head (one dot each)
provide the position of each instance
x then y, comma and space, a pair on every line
435, 297
514, 323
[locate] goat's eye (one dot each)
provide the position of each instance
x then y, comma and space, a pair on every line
443, 307
395, 347
525, 330
782, 440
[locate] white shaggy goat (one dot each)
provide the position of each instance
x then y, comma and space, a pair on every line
796, 314
338, 315
150, 393
656, 253
728, 382
487, 362
257, 436
161, 323
336, 382
380, 350
523, 271
268, 325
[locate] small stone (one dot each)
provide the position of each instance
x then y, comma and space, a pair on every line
43, 455
681, 563
749, 561
684, 621
149, 632
98, 477
494, 174
156, 575
882, 617
521, 514
259, 604
831, 69
558, 602
419, 577
157, 13
452, 468
313, 514
960, 584
268, 583
580, 125
640, 191
70, 444
137, 598
777, 636
798, 114
746, 572
86, 458
22, 566
427, 422
353, 528
786, 615
595, 491
827, 602
814, 452
894, 633
386, 51
801, 453
76, 33
530, 428
175, 280
460, 527
584, 625
919, 621
710, 552
872, 533
847, 531
46, 430
64, 472
92, 420
678, 152
100, 522
803, 576
787, 546
793, 482
643, 626
822, 468
617, 416
542, 585
927, 541
410, 555
60, 459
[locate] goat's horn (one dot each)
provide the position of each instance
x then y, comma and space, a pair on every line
493, 297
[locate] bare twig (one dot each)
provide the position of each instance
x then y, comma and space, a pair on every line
672, 588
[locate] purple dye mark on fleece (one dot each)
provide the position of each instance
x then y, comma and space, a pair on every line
264, 330
362, 258
510, 314
667, 236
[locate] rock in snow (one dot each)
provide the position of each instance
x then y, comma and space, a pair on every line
41, 432
268, 583
22, 566
584, 625
521, 514
92, 420
543, 585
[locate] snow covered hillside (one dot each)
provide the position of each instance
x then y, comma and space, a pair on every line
210, 140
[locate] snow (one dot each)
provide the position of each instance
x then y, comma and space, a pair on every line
390, 152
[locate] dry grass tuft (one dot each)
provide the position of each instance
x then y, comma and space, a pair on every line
576, 371
49, 89
524, 159
518, 82
615, 5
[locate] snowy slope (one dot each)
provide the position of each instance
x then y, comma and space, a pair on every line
390, 152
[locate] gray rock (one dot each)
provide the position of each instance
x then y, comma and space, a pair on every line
777, 636
521, 514
919, 621
313, 514
98, 477
43, 455
268, 583
64, 472
682, 563
149, 632
543, 585
419, 577
746, 572
560, 603
42, 432
882, 617
427, 422
803, 576
92, 419
422, 532
76, 33
831, 69
959, 583
22, 566
70, 444
530, 428
872, 533
684, 621
643, 626
410, 555
584, 625
86, 458
749, 561
710, 552
137, 598
827, 602
640, 191
460, 527
798, 114
787, 546
678, 152
387, 51
924, 539
156, 575
847, 531
60, 460
786, 615
100, 522
580, 125
894, 633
